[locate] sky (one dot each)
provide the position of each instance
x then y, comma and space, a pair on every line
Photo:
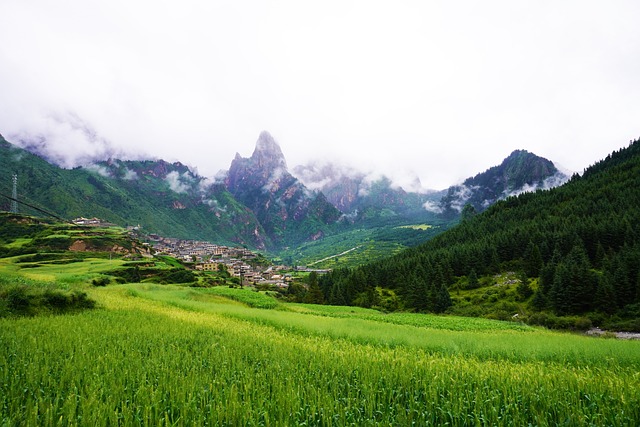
440, 90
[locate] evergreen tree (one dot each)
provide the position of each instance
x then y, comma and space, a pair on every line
442, 299
472, 280
532, 260
624, 288
605, 298
558, 292
314, 293
440, 294
539, 301
468, 212
524, 289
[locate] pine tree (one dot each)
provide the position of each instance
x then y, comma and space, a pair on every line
532, 260
524, 289
472, 280
314, 293
605, 297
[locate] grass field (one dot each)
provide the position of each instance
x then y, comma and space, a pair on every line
169, 355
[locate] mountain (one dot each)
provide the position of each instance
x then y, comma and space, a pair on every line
580, 243
259, 203
521, 171
288, 211
362, 196
165, 198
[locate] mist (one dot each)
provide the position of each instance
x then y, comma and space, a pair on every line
426, 93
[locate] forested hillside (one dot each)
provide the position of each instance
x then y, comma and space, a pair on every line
580, 241
164, 198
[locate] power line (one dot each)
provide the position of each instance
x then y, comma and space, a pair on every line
16, 201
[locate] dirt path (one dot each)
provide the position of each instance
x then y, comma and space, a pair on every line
333, 256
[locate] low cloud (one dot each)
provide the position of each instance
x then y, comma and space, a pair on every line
100, 170
549, 183
66, 140
461, 194
273, 183
177, 182
215, 205
130, 175
432, 206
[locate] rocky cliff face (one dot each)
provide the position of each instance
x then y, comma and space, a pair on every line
287, 210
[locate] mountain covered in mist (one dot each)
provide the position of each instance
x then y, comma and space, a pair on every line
576, 248
520, 172
288, 211
165, 198
257, 202
360, 195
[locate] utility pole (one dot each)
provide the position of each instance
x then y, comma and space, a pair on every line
14, 194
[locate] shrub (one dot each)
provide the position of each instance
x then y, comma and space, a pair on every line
22, 300
101, 281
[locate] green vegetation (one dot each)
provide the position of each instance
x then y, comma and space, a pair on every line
129, 193
167, 355
375, 240
80, 349
575, 252
20, 296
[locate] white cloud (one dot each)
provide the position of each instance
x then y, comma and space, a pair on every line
550, 182
100, 170
130, 175
273, 183
178, 183
432, 206
436, 89
461, 194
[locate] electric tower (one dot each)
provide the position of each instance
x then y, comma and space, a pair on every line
14, 195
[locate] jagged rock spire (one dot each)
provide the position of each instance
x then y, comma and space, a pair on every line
268, 152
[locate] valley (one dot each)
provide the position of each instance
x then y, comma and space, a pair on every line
392, 316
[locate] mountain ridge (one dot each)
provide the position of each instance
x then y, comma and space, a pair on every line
568, 252
257, 202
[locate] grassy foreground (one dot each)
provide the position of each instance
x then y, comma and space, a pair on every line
165, 355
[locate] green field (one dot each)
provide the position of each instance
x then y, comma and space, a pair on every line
169, 355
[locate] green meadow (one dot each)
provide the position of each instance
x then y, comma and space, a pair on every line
166, 355
152, 354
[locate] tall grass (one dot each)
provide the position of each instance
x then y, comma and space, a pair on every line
143, 362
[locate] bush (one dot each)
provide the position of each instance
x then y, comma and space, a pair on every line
18, 301
574, 323
23, 300
101, 281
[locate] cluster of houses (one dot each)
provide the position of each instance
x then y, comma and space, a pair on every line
207, 256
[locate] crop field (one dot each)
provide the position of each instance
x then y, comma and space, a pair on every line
170, 355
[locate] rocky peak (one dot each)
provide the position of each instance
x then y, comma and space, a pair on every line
521, 171
268, 153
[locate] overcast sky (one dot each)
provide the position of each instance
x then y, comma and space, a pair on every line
442, 89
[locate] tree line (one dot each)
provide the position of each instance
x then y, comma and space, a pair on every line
582, 240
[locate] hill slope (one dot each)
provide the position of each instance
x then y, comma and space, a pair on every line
165, 198
521, 171
581, 240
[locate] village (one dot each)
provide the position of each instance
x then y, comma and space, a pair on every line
248, 267
238, 262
